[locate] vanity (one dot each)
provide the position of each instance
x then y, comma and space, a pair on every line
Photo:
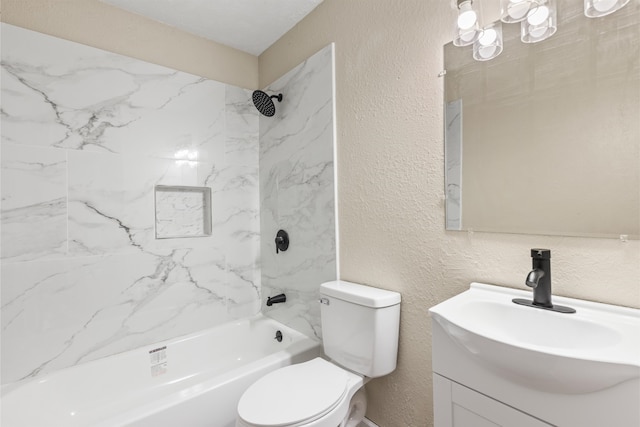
497, 363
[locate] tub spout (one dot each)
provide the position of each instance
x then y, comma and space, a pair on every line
277, 299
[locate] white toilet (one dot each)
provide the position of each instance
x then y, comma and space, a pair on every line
360, 327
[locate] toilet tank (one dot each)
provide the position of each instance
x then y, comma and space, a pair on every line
360, 326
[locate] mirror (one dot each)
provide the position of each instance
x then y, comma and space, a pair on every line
545, 138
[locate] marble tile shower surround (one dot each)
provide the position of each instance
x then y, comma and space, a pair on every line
297, 192
86, 135
182, 212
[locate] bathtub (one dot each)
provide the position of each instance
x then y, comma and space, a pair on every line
191, 381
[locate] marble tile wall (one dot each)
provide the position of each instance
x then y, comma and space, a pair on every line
86, 136
297, 192
182, 211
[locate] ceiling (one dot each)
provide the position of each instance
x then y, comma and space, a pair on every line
248, 25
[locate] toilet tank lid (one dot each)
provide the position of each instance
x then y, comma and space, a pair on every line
360, 294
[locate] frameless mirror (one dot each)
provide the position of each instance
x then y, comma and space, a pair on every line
545, 138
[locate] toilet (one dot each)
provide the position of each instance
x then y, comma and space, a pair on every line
360, 326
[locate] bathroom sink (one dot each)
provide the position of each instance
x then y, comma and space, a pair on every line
592, 349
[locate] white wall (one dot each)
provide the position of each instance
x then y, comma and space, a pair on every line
97, 24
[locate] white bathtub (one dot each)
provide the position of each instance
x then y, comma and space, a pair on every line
192, 381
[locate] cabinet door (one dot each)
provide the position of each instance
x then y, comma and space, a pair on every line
459, 406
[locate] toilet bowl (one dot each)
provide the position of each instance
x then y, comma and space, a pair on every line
360, 327
316, 393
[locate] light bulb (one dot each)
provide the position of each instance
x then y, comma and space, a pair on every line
467, 18
487, 52
540, 24
538, 32
599, 8
538, 15
466, 26
488, 37
603, 5
489, 44
468, 36
517, 9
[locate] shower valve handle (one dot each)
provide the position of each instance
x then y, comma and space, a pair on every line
282, 241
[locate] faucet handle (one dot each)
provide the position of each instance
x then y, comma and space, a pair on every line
540, 253
282, 241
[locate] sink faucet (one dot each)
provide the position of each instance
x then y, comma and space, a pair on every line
539, 278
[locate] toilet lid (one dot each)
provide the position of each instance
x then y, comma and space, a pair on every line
293, 394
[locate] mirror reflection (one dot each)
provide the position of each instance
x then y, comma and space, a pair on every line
545, 138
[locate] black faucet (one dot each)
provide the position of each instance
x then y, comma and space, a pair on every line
277, 299
539, 278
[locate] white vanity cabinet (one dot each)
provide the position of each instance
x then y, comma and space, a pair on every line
496, 363
459, 406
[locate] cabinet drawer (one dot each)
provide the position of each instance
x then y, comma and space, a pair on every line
459, 406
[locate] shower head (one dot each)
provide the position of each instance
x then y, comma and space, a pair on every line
263, 102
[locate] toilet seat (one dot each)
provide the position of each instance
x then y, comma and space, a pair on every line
294, 395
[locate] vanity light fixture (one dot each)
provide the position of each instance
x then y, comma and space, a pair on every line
489, 44
541, 23
598, 8
516, 10
467, 24
538, 21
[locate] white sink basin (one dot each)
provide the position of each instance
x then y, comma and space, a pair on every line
593, 349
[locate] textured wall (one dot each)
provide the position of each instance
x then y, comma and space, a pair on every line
390, 184
97, 24
86, 135
297, 192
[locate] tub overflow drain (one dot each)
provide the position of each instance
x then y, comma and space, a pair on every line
278, 336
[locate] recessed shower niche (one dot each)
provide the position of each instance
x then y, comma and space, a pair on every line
182, 211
